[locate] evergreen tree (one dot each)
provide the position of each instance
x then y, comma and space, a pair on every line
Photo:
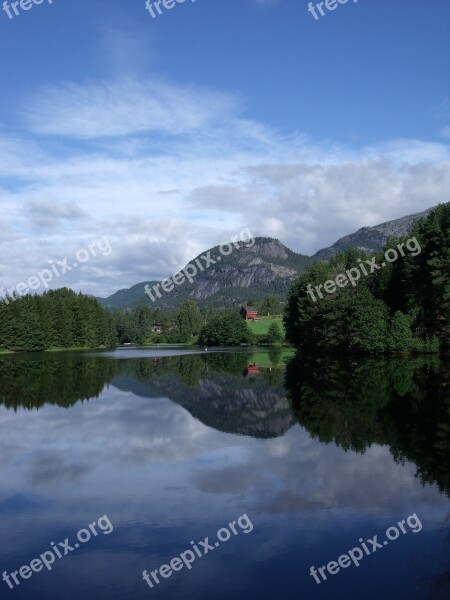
402, 307
426, 276
189, 320
57, 319
270, 306
274, 335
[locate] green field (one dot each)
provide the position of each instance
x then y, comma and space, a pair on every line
261, 326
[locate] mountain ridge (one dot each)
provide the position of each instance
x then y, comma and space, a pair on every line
251, 273
372, 239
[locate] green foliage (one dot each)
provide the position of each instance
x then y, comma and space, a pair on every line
367, 322
57, 319
427, 276
350, 320
428, 345
270, 306
225, 329
189, 320
399, 335
274, 335
400, 308
176, 327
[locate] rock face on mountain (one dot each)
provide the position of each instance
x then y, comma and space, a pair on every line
372, 239
268, 264
225, 402
268, 267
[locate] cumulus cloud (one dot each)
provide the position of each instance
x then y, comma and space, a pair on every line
47, 214
166, 172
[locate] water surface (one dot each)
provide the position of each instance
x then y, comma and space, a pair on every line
173, 446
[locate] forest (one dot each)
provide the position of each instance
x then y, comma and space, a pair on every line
403, 307
194, 323
56, 319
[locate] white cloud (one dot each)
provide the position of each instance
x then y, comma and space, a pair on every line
166, 172
124, 108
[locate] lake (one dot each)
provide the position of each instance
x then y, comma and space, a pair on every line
283, 464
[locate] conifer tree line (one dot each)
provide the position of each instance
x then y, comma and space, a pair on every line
63, 319
145, 324
404, 307
56, 319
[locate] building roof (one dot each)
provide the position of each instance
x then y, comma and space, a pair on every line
250, 308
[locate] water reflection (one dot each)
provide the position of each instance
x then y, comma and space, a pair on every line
62, 379
173, 448
398, 402
214, 388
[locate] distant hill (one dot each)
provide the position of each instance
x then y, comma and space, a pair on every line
372, 239
224, 402
247, 273
268, 267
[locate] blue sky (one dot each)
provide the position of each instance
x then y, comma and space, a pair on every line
170, 135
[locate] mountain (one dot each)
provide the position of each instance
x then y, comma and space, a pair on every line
268, 267
224, 402
372, 239
247, 273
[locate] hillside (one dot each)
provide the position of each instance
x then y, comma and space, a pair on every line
268, 267
224, 402
372, 239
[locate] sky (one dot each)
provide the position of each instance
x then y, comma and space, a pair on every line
169, 135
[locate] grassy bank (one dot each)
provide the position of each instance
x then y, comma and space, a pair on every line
261, 326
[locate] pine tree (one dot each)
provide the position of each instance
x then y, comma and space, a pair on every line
270, 306
274, 335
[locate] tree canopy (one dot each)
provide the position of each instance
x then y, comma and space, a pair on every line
225, 329
57, 319
402, 306
270, 306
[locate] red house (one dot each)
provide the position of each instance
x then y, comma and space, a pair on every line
248, 312
251, 371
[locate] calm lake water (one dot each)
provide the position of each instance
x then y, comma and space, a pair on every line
172, 446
